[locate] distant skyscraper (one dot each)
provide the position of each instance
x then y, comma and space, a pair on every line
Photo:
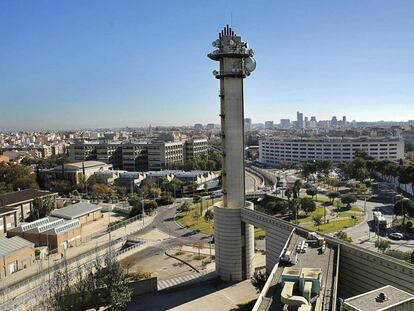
334, 121
210, 126
344, 121
269, 125
247, 124
299, 120
198, 126
306, 123
284, 123
313, 118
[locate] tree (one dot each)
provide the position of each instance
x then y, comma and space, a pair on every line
308, 205
99, 190
209, 215
382, 245
348, 199
258, 280
199, 245
343, 236
186, 207
288, 193
296, 188
312, 191
150, 206
115, 285
333, 195
404, 207
42, 207
277, 207
317, 219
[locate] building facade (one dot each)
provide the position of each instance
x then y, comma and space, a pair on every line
140, 156
15, 254
295, 151
194, 147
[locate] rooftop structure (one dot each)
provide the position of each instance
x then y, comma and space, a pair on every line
9, 246
76, 211
381, 299
22, 196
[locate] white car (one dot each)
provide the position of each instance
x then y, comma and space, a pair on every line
396, 236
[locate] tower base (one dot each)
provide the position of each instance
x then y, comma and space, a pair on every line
234, 244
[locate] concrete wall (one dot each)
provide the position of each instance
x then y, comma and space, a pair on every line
144, 286
228, 243
277, 233
361, 271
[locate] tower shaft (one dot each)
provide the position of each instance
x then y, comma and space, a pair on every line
234, 244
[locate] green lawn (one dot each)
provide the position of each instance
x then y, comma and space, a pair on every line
309, 218
192, 220
259, 233
335, 226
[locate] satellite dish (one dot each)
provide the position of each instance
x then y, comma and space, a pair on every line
231, 42
250, 64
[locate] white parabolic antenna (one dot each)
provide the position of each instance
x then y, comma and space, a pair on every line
250, 64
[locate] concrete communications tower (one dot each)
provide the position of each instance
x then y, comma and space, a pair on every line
234, 240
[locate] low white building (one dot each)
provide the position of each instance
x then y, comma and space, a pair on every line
272, 150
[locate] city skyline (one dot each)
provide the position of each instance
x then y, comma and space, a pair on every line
102, 67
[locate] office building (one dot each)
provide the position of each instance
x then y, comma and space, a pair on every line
164, 155
135, 157
194, 147
299, 120
269, 125
338, 150
247, 124
285, 123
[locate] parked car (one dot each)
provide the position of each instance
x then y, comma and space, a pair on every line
396, 236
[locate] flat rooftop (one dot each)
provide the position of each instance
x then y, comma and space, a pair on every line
11, 245
23, 196
75, 210
312, 258
368, 301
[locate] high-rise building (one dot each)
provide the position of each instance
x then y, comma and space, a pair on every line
299, 120
285, 123
269, 125
198, 126
344, 121
247, 124
334, 121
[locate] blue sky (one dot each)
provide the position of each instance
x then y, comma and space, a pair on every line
96, 63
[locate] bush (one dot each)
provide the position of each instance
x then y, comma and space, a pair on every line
165, 200
136, 276
348, 199
258, 280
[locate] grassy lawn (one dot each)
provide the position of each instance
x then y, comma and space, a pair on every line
335, 226
259, 233
309, 218
193, 220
